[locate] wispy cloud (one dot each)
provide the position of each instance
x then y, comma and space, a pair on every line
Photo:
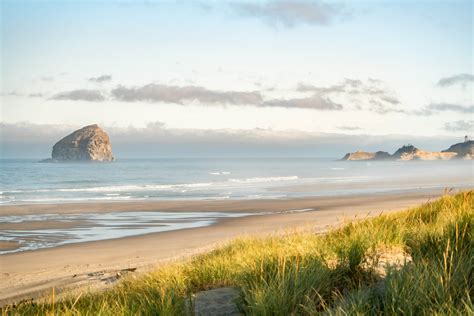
186, 94
349, 128
100, 79
181, 95
80, 95
354, 94
314, 102
291, 13
47, 78
371, 95
442, 107
460, 126
461, 79
36, 95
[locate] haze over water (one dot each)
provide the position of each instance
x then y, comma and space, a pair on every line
25, 181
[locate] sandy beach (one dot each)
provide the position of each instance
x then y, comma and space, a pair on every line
30, 274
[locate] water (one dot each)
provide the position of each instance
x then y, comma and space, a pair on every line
26, 181
92, 227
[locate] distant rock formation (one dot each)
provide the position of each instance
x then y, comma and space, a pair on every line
382, 155
405, 150
409, 152
359, 155
463, 150
364, 155
427, 155
89, 143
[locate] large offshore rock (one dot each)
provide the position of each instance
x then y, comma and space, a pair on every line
89, 143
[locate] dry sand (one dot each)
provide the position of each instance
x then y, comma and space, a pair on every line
31, 274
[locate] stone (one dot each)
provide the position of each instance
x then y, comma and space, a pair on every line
217, 302
89, 143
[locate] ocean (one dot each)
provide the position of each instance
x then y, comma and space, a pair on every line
30, 182
27, 181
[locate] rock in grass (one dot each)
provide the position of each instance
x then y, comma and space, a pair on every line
217, 302
89, 143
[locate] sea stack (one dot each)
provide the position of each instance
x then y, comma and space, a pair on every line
89, 143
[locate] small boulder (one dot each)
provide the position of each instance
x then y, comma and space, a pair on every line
217, 302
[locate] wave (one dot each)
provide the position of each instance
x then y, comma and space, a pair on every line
163, 187
66, 199
263, 180
219, 173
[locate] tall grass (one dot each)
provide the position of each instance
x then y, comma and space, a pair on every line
305, 274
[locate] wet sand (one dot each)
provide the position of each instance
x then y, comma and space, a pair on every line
31, 274
8, 245
40, 225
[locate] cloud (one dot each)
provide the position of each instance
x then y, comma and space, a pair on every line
181, 95
80, 95
462, 79
460, 126
291, 13
12, 94
441, 107
371, 95
100, 79
36, 95
314, 102
349, 128
47, 78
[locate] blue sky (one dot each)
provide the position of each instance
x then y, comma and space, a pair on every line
355, 67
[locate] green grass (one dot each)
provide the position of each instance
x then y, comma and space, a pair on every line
307, 274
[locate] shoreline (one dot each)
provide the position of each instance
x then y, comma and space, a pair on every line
31, 274
209, 205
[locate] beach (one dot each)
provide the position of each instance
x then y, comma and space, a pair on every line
76, 266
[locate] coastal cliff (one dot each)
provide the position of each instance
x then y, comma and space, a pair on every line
89, 143
363, 155
463, 150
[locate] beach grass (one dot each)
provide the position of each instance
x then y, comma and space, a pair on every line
413, 262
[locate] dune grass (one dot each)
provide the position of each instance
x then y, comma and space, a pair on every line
338, 273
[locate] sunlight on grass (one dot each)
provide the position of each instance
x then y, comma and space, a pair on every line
337, 273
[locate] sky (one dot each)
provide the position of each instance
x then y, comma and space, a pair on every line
349, 74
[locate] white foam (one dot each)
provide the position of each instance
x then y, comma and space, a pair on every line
263, 179
219, 173
164, 187
67, 199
